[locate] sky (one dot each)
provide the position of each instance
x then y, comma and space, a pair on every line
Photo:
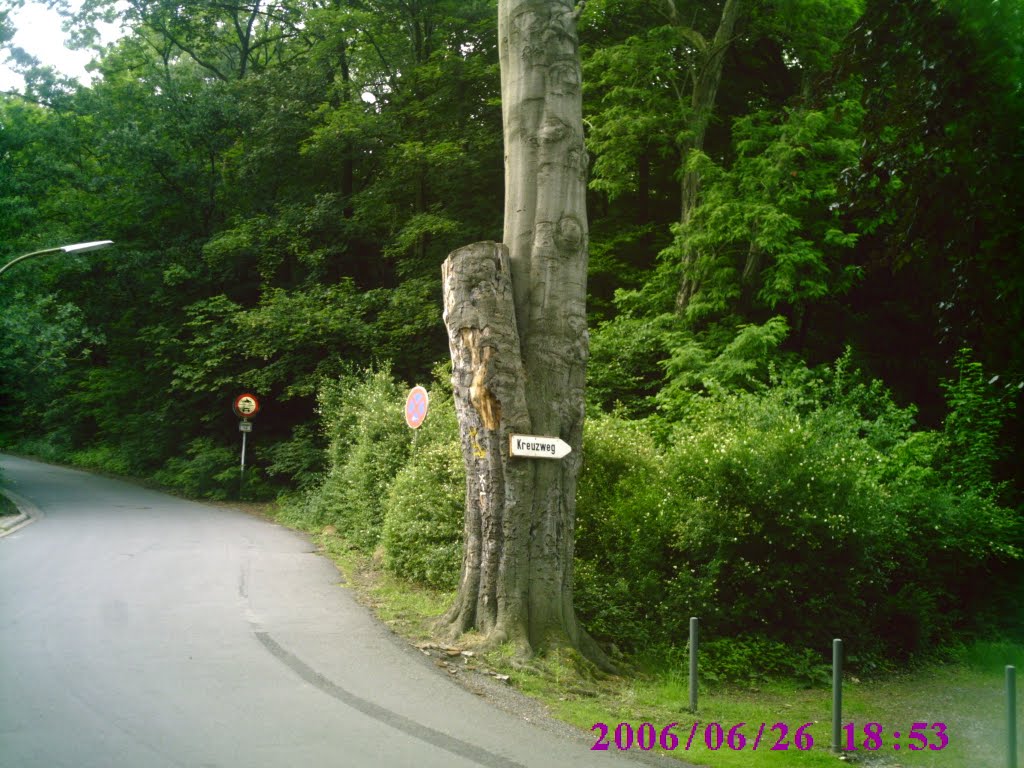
39, 32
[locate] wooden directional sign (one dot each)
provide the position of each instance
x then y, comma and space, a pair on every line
416, 407
534, 447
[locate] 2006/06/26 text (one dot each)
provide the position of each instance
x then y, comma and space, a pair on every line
777, 738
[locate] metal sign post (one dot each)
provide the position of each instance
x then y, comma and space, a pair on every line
245, 406
245, 427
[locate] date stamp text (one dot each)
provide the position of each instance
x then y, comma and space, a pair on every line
777, 737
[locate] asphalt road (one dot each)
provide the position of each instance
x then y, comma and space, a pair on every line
139, 630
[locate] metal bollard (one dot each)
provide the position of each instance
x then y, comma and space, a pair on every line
1011, 716
693, 664
837, 693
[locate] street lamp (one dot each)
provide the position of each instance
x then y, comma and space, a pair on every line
76, 248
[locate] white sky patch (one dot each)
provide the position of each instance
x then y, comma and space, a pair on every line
39, 32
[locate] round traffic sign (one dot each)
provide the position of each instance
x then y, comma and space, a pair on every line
416, 407
246, 406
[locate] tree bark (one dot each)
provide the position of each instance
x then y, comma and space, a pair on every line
702, 102
516, 320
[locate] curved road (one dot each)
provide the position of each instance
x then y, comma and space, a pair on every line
139, 630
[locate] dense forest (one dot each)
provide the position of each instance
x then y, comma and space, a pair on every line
805, 290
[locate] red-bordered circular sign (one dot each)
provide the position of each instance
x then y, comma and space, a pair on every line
246, 406
416, 407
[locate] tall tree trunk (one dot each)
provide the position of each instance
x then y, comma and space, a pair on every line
516, 319
348, 161
750, 277
702, 102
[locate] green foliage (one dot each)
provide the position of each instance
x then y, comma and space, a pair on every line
274, 226
755, 658
213, 344
289, 331
389, 490
640, 116
276, 346
132, 440
300, 459
103, 457
768, 227
805, 510
934, 190
40, 338
7, 507
810, 31
781, 513
410, 326
974, 425
623, 370
743, 363
368, 445
423, 511
210, 471
640, 365
991, 657
54, 447
624, 535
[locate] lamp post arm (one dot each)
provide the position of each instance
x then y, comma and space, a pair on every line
74, 248
10, 264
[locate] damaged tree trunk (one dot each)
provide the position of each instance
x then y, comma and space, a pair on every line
516, 319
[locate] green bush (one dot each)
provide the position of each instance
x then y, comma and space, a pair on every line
807, 510
757, 519
754, 658
55, 446
977, 412
783, 513
624, 362
624, 532
7, 506
211, 471
104, 457
991, 656
301, 459
423, 511
368, 444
